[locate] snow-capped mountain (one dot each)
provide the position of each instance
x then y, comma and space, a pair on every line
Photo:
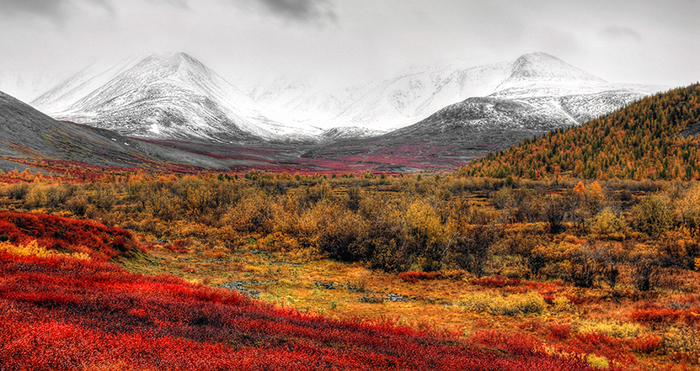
540, 93
413, 95
174, 96
170, 96
496, 106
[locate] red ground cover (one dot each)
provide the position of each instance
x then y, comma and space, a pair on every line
67, 235
61, 313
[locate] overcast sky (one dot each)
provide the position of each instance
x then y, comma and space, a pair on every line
637, 41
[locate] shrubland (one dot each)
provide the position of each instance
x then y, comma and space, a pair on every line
588, 234
596, 272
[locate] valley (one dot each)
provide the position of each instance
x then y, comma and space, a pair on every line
512, 231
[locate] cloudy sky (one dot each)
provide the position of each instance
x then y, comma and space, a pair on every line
639, 41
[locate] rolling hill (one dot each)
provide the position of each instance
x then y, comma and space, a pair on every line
653, 138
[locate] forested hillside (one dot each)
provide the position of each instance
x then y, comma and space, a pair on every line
654, 138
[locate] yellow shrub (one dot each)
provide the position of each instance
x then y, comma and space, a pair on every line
562, 303
598, 362
254, 269
37, 196
626, 330
33, 249
606, 223
555, 251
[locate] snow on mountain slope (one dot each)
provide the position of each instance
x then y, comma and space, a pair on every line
76, 87
378, 105
175, 96
170, 96
413, 95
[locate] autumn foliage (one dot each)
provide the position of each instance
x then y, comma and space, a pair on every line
62, 313
67, 235
645, 140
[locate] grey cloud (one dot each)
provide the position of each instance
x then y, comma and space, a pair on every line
51, 8
54, 9
179, 3
300, 10
620, 32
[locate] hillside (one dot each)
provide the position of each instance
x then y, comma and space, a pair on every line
26, 133
653, 138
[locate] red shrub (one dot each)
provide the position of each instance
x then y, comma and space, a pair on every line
646, 344
413, 276
559, 331
603, 345
496, 281
664, 316
67, 235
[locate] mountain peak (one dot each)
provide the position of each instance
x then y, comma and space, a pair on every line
543, 67
174, 60
539, 56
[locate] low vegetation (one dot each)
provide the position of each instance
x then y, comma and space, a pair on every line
570, 273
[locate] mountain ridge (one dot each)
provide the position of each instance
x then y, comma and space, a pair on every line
175, 96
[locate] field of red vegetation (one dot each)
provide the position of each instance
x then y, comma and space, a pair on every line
62, 313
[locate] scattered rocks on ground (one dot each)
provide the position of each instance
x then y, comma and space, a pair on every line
371, 299
240, 287
396, 297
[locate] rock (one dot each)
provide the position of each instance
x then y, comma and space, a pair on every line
371, 299
327, 286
